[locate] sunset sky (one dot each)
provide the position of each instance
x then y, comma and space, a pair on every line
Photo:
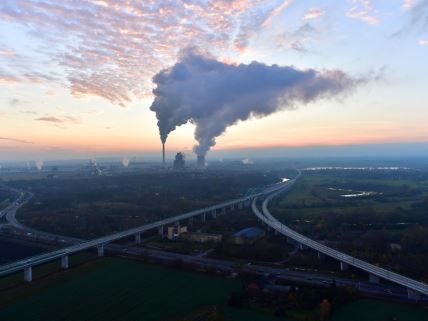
76, 76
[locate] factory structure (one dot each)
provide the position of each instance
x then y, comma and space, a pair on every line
179, 161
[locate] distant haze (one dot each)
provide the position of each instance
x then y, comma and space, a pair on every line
247, 155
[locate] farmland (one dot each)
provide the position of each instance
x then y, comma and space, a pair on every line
114, 289
377, 215
122, 290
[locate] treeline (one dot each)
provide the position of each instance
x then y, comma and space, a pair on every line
93, 206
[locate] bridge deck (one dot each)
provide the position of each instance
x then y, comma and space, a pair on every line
267, 218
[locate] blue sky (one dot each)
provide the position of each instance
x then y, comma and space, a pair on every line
76, 76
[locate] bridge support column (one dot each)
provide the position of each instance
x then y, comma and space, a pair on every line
240, 206
301, 247
321, 256
373, 279
214, 214
160, 231
343, 266
413, 295
232, 207
100, 250
190, 221
223, 210
203, 217
64, 262
137, 238
28, 274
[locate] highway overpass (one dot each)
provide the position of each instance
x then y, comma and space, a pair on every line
415, 288
27, 264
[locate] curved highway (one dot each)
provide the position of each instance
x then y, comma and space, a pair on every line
377, 271
28, 263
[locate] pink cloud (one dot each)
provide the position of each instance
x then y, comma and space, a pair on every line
314, 13
363, 10
113, 48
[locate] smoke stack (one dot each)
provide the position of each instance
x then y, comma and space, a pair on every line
163, 155
201, 161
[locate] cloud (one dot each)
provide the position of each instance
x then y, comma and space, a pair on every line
297, 39
419, 16
7, 79
111, 49
314, 13
214, 95
423, 42
417, 19
276, 11
28, 112
15, 102
363, 10
58, 119
16, 140
408, 4
7, 52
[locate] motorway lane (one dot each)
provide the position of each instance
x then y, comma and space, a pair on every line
268, 219
296, 276
299, 277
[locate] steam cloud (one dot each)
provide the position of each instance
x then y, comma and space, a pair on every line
125, 162
247, 161
214, 95
39, 165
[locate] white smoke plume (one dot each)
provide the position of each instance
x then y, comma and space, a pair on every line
39, 164
125, 162
247, 161
214, 95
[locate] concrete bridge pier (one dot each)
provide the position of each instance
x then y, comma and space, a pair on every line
100, 250
413, 295
240, 206
232, 207
28, 274
160, 231
343, 266
373, 279
137, 238
301, 247
64, 262
223, 210
203, 217
190, 221
214, 214
321, 256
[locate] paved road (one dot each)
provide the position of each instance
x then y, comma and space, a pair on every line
303, 277
209, 263
10, 214
272, 222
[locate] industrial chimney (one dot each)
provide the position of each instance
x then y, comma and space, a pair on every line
201, 161
163, 155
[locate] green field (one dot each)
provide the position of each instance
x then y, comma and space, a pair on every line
117, 289
317, 195
127, 290
386, 224
371, 310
